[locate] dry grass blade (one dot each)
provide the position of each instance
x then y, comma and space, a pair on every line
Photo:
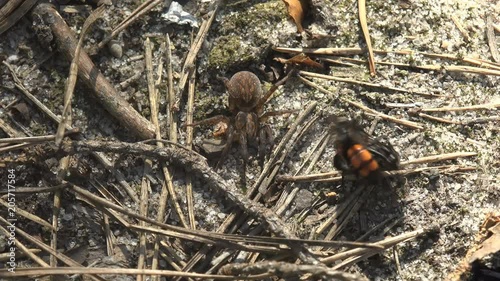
154, 115
27, 272
189, 143
73, 74
31, 253
366, 35
386, 243
492, 42
37, 139
281, 146
413, 112
407, 123
19, 85
356, 82
30, 190
66, 260
143, 210
291, 191
336, 175
461, 69
203, 236
487, 106
338, 211
29, 216
321, 51
195, 48
484, 66
310, 177
440, 157
138, 12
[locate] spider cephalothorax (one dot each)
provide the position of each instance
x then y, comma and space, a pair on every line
246, 102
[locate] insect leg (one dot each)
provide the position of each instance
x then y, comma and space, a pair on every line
210, 121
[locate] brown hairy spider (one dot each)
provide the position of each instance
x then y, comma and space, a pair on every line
246, 103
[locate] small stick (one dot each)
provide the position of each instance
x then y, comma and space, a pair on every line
377, 227
460, 27
37, 139
486, 106
138, 12
433, 118
154, 116
31, 253
145, 183
153, 97
440, 157
410, 124
362, 83
195, 48
366, 35
37, 271
396, 259
386, 243
330, 176
29, 190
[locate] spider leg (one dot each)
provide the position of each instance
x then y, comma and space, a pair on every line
210, 121
229, 142
273, 89
266, 141
264, 117
245, 126
244, 146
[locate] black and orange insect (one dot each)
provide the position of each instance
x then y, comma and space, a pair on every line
360, 153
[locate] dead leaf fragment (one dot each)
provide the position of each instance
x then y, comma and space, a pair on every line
300, 59
296, 10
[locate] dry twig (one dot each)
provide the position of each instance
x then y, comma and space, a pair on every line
87, 71
288, 270
492, 42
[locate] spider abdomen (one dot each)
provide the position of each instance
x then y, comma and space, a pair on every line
244, 91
